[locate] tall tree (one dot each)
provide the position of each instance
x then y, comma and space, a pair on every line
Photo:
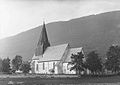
113, 58
0, 65
93, 62
6, 65
77, 62
25, 67
16, 62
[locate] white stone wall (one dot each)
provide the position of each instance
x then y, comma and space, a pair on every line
36, 63
45, 67
49, 65
41, 68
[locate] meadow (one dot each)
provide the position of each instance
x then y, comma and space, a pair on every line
96, 80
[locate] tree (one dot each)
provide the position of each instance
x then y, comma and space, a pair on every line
16, 63
0, 65
113, 58
25, 67
6, 65
93, 62
77, 62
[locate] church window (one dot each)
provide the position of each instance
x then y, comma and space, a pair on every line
53, 65
36, 67
67, 66
43, 66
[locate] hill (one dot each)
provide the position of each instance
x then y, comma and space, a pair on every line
94, 32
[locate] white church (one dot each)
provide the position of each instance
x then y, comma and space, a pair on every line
52, 59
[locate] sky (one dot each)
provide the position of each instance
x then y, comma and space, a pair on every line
20, 15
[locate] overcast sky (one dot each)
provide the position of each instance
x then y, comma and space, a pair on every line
21, 15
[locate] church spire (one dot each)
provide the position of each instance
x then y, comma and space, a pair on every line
43, 42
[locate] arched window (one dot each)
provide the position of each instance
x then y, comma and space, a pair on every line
67, 66
37, 68
43, 66
53, 65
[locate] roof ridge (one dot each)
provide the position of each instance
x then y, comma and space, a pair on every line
76, 47
58, 45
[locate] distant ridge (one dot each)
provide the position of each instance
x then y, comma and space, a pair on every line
94, 32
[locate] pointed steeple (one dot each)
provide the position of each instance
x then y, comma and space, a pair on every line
43, 42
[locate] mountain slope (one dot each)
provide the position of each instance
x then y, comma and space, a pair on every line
95, 32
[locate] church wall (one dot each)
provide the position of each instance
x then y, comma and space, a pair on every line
36, 66
60, 71
56, 70
41, 68
46, 67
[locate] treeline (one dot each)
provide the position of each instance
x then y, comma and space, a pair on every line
92, 63
8, 66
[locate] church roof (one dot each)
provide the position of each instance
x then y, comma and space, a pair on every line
52, 53
72, 51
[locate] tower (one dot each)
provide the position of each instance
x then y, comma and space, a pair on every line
43, 42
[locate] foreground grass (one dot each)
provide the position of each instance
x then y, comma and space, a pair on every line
36, 79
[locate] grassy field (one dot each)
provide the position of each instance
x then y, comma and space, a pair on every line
89, 80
